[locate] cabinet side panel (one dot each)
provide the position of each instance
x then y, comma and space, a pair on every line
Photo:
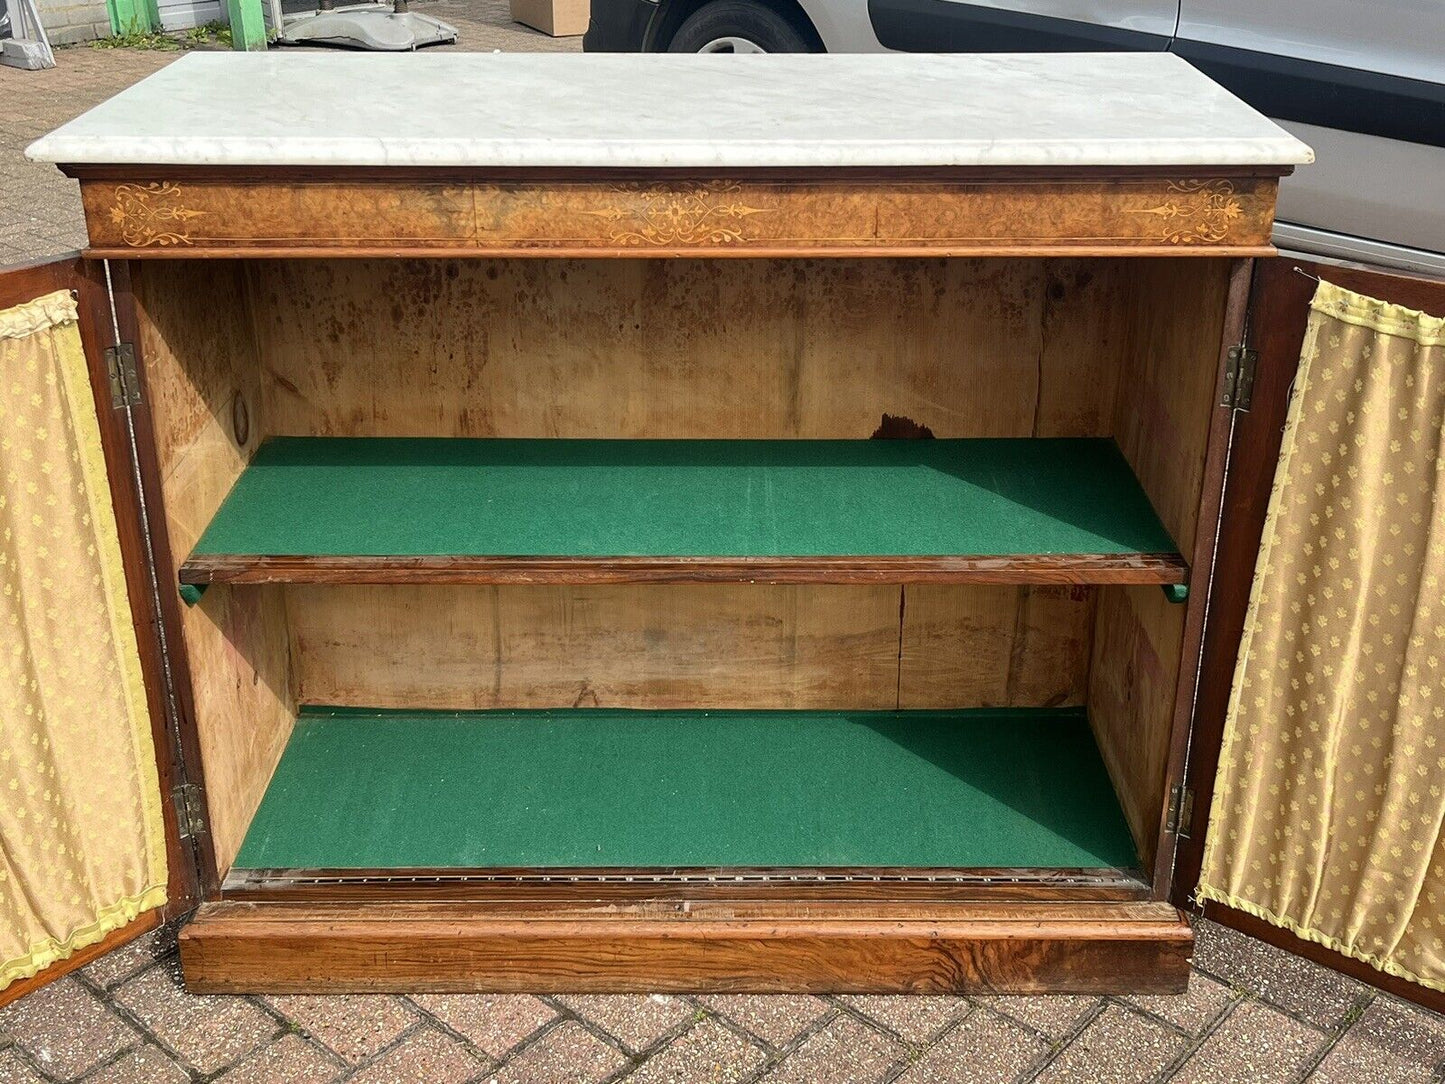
1137, 642
203, 391
670, 646
650, 348
1166, 383
1164, 411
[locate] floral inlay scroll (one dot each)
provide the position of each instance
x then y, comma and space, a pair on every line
705, 213
152, 214
1197, 212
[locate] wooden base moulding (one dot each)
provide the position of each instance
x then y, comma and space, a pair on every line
1102, 948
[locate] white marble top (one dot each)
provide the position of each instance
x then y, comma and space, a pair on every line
657, 110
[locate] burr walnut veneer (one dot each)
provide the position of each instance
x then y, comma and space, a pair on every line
738, 536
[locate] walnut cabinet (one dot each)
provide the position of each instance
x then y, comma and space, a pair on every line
628, 573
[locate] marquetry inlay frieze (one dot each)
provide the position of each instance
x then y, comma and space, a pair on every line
723, 217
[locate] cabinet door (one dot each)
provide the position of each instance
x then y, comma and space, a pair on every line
89, 718
1279, 309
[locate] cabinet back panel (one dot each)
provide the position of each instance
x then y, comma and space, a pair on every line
967, 646
669, 646
679, 348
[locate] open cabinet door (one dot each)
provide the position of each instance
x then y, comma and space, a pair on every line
94, 852
1280, 308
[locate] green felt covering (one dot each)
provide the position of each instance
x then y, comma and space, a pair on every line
192, 593
689, 788
625, 498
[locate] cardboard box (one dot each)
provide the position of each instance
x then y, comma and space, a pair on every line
560, 18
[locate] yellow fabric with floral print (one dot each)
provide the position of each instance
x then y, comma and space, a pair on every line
1331, 789
80, 821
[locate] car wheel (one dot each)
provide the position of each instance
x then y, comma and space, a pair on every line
738, 26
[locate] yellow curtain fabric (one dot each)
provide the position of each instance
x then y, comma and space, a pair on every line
1330, 796
82, 844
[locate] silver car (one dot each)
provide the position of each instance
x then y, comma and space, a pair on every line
1361, 82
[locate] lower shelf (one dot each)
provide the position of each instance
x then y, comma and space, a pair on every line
820, 946
610, 788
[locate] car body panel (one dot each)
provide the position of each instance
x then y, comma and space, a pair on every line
843, 25
1156, 17
1363, 186
1401, 37
956, 26
1362, 83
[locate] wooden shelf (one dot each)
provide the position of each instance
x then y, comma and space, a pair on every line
595, 787
404, 510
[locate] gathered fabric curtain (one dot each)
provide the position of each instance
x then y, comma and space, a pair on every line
82, 844
1330, 797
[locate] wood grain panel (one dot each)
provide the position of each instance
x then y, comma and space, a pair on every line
1165, 418
1167, 379
647, 647
1086, 317
199, 364
994, 646
572, 348
822, 946
1138, 637
140, 214
1160, 568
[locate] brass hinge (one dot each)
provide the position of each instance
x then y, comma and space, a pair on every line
190, 810
1181, 811
120, 368
1239, 370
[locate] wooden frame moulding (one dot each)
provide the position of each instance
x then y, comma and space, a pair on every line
1065, 569
287, 211
764, 947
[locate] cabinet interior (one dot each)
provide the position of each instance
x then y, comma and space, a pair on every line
827, 724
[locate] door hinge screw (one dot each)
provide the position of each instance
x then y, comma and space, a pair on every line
190, 810
1181, 811
1239, 371
120, 369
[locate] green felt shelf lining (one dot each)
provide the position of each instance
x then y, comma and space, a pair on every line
382, 497
603, 787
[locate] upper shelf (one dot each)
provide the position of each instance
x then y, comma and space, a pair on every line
232, 154
423, 510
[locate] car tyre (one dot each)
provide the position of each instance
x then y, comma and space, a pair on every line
739, 26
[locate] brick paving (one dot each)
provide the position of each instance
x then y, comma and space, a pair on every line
1253, 1014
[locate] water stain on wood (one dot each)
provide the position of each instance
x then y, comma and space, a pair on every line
897, 427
